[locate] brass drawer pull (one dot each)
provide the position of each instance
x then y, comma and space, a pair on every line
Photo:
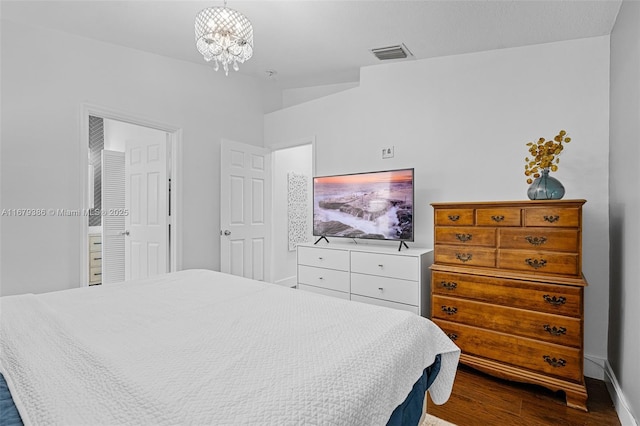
535, 263
551, 219
464, 257
449, 310
454, 217
452, 336
559, 362
497, 218
536, 241
554, 331
554, 300
464, 237
449, 285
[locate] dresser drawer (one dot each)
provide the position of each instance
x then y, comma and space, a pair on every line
395, 290
469, 256
465, 236
95, 275
541, 297
549, 216
386, 265
324, 258
453, 217
503, 216
324, 291
326, 278
555, 360
385, 303
540, 238
95, 259
536, 325
95, 242
537, 261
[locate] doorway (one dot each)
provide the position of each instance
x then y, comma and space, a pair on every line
131, 194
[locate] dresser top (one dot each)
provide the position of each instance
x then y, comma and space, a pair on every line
369, 247
523, 203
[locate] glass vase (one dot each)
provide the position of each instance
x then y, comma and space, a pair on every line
545, 188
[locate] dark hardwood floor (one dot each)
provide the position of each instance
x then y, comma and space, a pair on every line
479, 399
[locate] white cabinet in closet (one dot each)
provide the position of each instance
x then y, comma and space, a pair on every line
378, 275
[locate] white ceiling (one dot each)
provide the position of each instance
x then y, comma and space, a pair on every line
316, 42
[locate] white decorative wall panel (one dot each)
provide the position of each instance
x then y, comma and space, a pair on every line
297, 198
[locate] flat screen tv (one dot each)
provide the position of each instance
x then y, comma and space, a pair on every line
373, 205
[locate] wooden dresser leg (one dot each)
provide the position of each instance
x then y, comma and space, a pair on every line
576, 400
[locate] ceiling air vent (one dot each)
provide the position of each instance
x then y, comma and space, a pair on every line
392, 52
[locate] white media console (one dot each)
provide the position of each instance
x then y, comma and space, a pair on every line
369, 273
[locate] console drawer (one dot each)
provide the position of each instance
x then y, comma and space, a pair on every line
324, 291
324, 258
539, 262
536, 325
470, 236
541, 297
395, 290
385, 265
325, 278
385, 303
453, 217
565, 217
502, 216
567, 240
555, 360
469, 256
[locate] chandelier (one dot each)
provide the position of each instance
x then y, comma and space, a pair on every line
224, 36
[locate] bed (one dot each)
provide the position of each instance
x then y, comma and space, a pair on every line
202, 347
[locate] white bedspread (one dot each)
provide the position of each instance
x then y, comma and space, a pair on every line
201, 347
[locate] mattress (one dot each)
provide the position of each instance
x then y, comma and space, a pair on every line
201, 347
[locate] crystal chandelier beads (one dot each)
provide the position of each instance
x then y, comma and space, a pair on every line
224, 36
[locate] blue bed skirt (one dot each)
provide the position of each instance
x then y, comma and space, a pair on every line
406, 414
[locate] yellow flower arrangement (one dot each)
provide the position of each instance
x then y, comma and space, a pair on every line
544, 155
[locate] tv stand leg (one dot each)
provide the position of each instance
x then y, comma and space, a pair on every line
321, 238
402, 243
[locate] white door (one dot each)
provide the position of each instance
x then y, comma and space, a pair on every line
146, 195
245, 210
113, 190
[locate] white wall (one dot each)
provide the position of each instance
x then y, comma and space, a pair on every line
42, 94
624, 345
463, 121
297, 160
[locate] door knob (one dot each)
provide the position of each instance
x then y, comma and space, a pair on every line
125, 233
227, 232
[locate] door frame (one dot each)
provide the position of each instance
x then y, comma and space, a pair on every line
175, 145
311, 140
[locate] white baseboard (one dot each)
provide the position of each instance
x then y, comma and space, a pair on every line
287, 282
619, 401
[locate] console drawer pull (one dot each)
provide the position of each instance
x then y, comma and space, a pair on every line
464, 257
452, 336
449, 285
497, 218
554, 331
449, 310
559, 362
535, 263
536, 241
551, 219
464, 237
554, 300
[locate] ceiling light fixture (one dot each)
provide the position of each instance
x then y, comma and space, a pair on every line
224, 36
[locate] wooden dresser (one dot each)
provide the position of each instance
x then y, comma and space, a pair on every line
507, 287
